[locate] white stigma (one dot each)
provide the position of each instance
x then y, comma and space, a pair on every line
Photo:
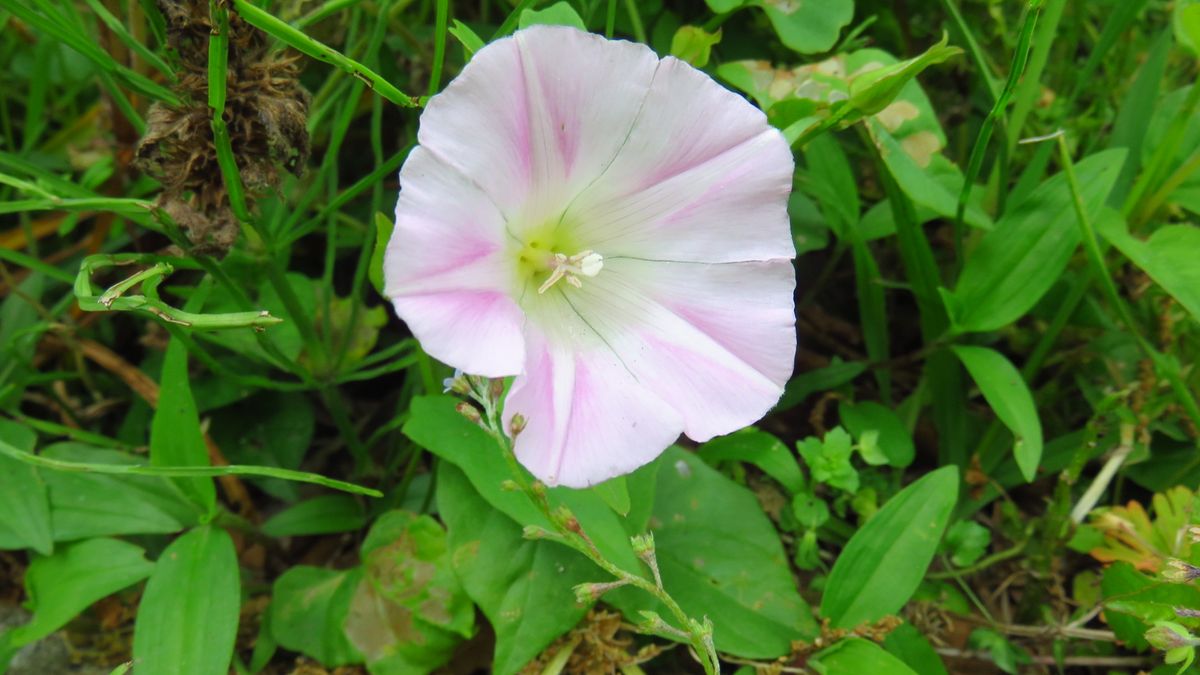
584, 263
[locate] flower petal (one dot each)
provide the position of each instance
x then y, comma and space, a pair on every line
718, 357
478, 332
446, 271
702, 177
746, 308
587, 418
535, 117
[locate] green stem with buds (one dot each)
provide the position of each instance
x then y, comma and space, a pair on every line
569, 532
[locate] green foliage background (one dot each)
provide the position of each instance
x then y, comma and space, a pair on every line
220, 451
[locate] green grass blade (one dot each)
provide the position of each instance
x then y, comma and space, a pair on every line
186, 471
297, 39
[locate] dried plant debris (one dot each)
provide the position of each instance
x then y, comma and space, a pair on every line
266, 113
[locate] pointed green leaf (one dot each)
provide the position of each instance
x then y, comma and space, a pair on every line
175, 438
885, 560
1006, 392
66, 583
1014, 265
188, 618
1171, 256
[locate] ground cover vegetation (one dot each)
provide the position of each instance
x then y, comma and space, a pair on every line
221, 451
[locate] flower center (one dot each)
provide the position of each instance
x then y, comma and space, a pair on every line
584, 263
536, 258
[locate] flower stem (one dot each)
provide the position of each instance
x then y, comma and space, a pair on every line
568, 531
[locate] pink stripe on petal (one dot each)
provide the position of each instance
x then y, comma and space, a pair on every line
477, 331
587, 419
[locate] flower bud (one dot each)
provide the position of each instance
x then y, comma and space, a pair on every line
469, 411
536, 532
588, 593
1168, 635
457, 384
642, 543
516, 425
1180, 572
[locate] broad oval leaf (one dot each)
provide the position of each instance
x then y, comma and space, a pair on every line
1006, 392
309, 606
436, 425
808, 27
524, 587
884, 562
188, 618
409, 612
720, 557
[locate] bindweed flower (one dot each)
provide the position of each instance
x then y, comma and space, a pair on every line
609, 227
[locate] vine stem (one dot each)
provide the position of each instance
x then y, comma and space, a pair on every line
569, 532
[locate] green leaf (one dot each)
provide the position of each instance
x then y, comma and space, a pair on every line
907, 644
1133, 601
1186, 23
472, 43
1006, 655
875, 90
409, 612
921, 184
967, 541
720, 557
384, 225
270, 428
24, 506
760, 449
1169, 256
523, 587
832, 376
86, 505
436, 425
829, 459
558, 14
20, 329
808, 27
188, 618
1006, 392
615, 493
693, 45
64, 584
175, 438
1014, 265
855, 656
326, 514
894, 439
884, 562
829, 178
309, 606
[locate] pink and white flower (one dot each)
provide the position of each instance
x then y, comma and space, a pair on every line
609, 227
